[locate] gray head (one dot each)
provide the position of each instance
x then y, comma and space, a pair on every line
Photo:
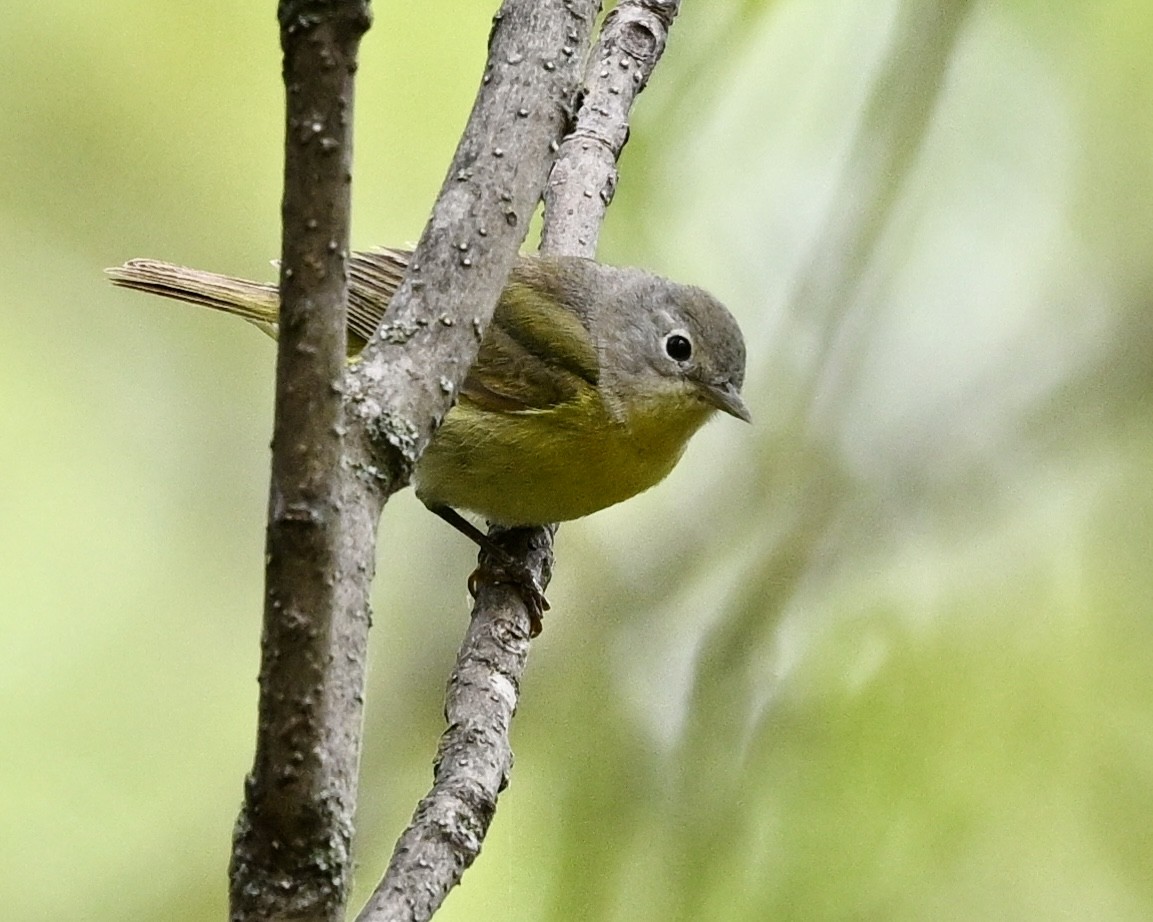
677, 334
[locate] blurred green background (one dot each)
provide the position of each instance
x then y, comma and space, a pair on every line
883, 655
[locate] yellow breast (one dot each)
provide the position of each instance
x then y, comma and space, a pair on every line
550, 465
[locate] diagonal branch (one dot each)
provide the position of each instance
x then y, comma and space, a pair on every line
475, 757
408, 376
584, 178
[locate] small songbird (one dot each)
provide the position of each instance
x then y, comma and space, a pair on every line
589, 382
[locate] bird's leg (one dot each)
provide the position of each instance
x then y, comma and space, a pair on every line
503, 566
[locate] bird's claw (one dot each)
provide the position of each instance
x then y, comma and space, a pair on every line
514, 574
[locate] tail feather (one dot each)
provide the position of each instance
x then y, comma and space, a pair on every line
373, 277
257, 303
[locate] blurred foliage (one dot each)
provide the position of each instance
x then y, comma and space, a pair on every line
882, 655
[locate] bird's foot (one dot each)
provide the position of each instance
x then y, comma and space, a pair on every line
499, 566
512, 573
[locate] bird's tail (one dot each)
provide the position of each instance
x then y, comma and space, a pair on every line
257, 303
373, 276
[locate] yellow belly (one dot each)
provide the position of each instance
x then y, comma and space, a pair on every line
552, 465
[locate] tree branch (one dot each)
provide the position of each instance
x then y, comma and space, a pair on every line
291, 847
408, 375
584, 177
336, 461
475, 757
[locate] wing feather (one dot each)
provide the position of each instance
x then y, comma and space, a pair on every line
536, 353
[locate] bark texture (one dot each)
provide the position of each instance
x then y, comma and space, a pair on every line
292, 844
346, 439
475, 757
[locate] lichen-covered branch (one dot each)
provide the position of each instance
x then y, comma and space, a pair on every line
475, 757
408, 376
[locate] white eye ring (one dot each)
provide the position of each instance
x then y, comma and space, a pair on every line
679, 346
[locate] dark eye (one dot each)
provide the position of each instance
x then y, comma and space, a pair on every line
678, 347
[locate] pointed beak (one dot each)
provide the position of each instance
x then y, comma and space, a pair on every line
727, 398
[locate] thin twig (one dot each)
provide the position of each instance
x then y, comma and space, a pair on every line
474, 757
584, 177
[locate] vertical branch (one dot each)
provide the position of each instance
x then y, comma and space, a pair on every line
291, 848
